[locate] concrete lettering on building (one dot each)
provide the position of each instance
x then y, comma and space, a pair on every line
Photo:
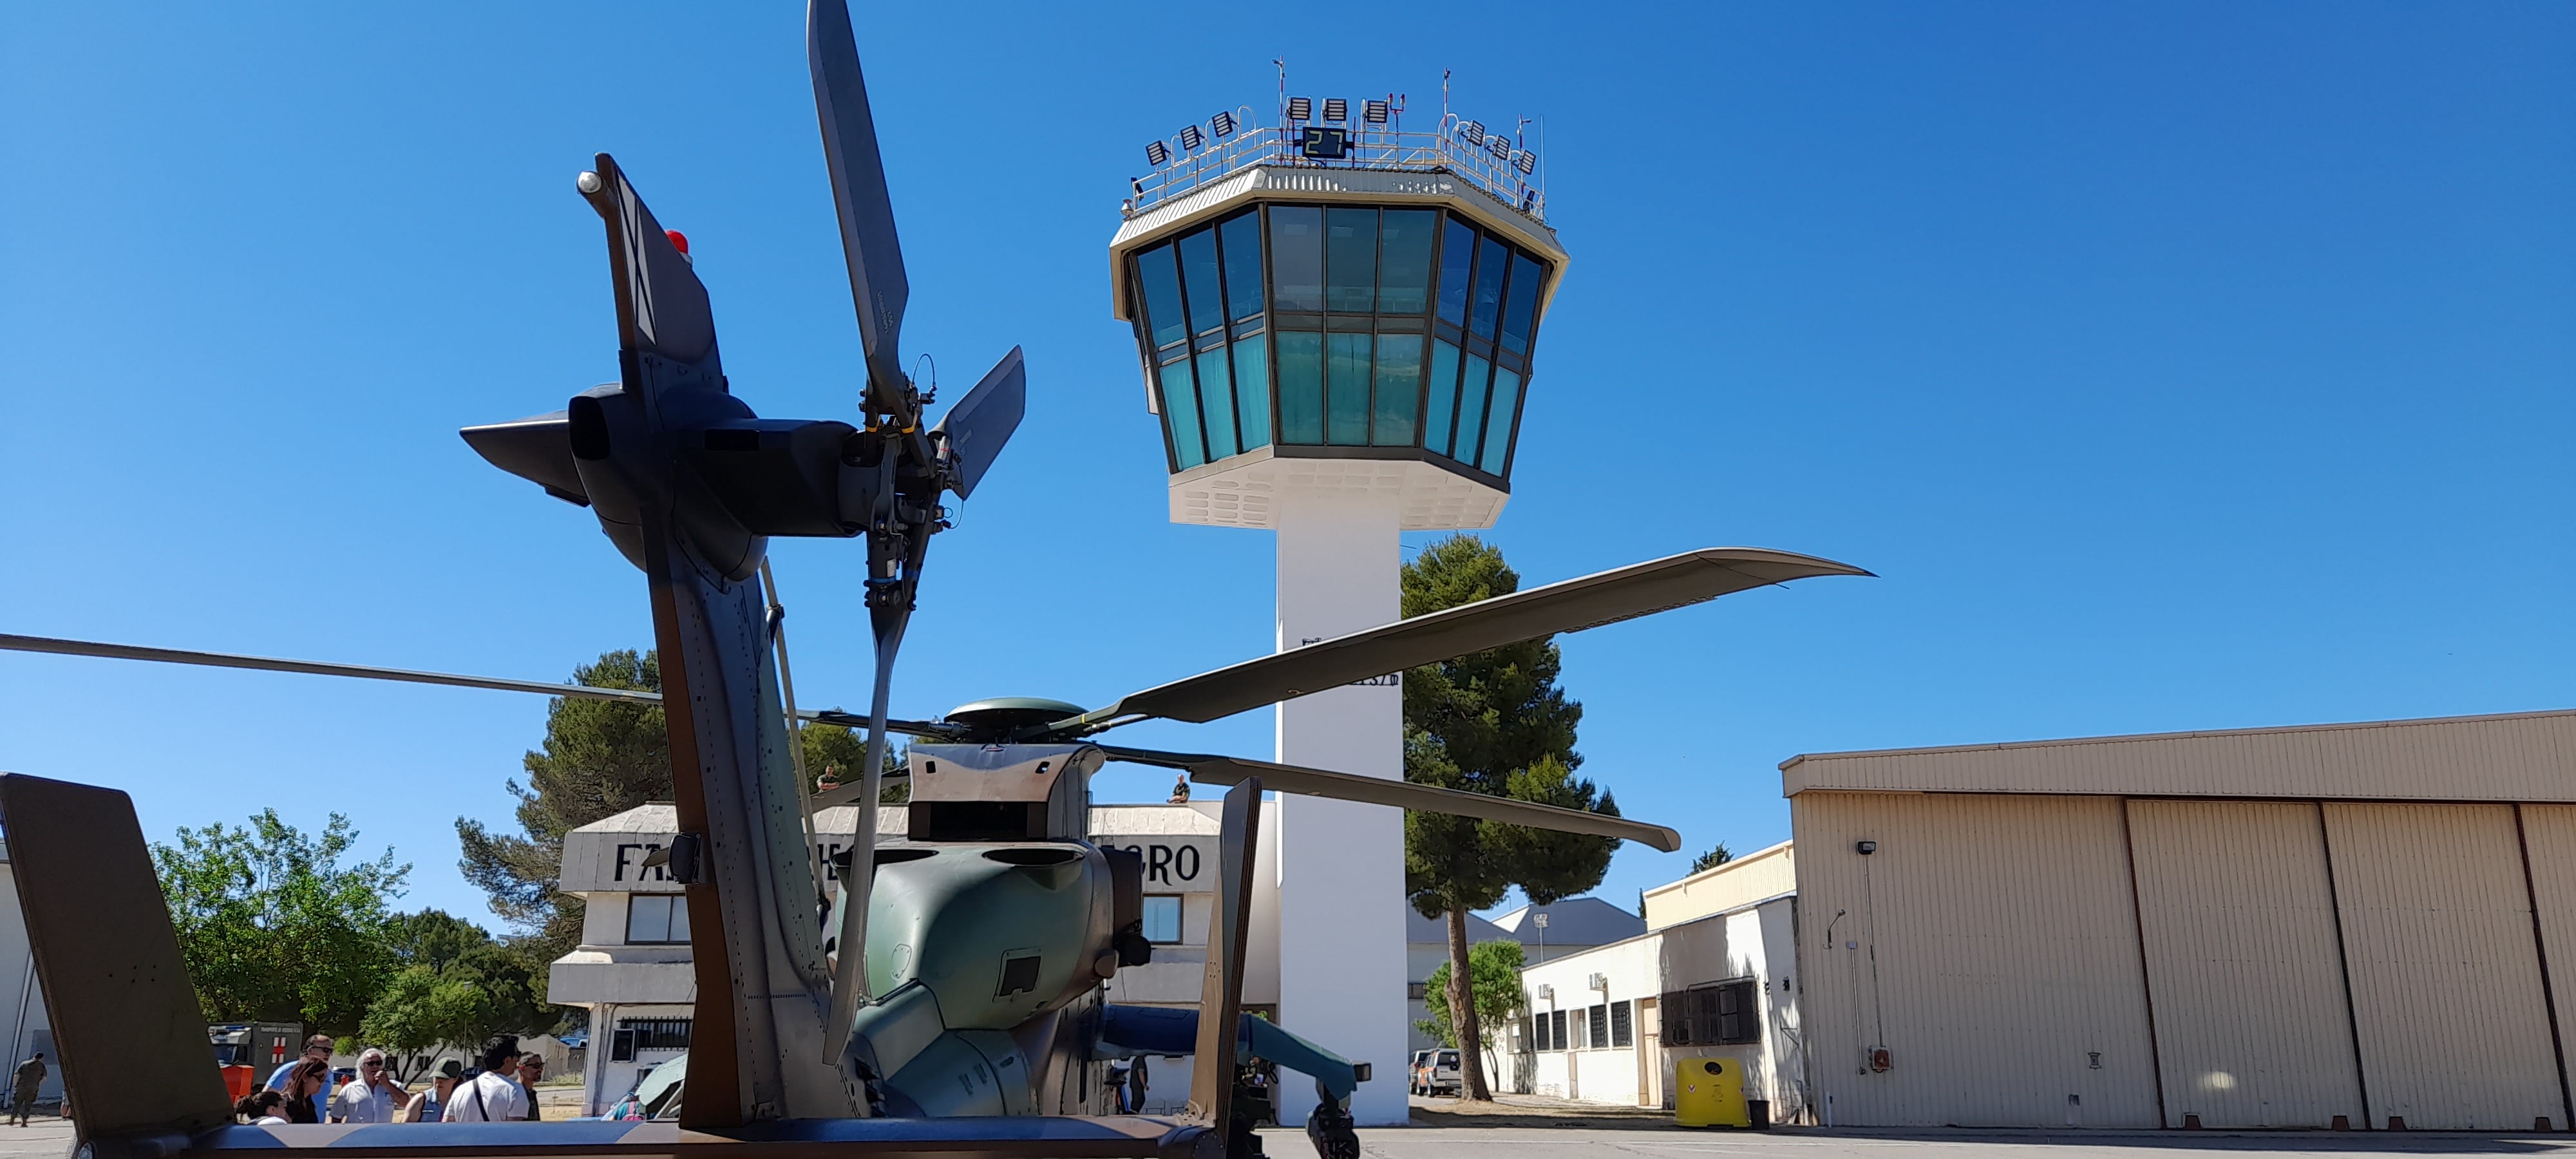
614, 862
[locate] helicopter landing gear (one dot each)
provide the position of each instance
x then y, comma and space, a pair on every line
1330, 1127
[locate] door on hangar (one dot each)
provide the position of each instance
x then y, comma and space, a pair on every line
2236, 906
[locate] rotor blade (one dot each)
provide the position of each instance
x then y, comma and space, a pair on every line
834, 798
537, 449
1571, 606
15, 643
850, 973
903, 727
980, 423
1312, 782
868, 240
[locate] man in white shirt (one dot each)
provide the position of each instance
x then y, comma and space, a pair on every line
371, 1099
494, 1096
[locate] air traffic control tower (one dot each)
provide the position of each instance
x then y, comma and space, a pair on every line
1336, 320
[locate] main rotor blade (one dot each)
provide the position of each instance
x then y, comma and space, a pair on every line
868, 242
1216, 770
15, 643
981, 422
1571, 606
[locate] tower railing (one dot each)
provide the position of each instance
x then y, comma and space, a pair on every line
1495, 171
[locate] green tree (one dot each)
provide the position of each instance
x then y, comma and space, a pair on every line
273, 926
456, 985
599, 758
833, 751
1712, 859
1494, 722
1494, 974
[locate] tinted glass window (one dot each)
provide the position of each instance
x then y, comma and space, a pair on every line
1498, 421
1457, 255
1399, 389
656, 918
1350, 259
1471, 408
1161, 285
1216, 395
1297, 257
1242, 237
1252, 390
1404, 262
1441, 402
1492, 259
1301, 386
1347, 388
1181, 415
1162, 919
1206, 294
1526, 278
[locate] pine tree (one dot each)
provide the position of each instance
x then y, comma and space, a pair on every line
1494, 722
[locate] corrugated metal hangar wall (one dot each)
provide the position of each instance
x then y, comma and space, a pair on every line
2275, 928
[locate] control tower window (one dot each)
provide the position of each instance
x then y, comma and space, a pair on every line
1346, 386
1297, 257
1340, 326
1404, 264
1350, 260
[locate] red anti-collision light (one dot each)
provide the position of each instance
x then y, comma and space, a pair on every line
679, 241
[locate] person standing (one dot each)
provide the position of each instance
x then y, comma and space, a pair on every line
31, 1078
425, 1107
371, 1099
494, 1095
532, 1070
304, 1087
316, 1048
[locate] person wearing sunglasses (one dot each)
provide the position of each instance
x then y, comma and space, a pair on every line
374, 1097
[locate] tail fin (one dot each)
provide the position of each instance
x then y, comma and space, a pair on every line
135, 1056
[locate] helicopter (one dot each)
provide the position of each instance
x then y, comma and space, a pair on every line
944, 994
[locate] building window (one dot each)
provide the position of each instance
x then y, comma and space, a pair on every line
1388, 328
1534, 1032
1622, 1027
1417, 991
1739, 1013
634, 1034
1717, 1014
1598, 1024
1556, 1030
1163, 919
655, 919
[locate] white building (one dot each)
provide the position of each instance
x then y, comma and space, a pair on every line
1573, 925
22, 1001
632, 970
2360, 925
1713, 975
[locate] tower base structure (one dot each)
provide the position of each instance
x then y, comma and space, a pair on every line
1341, 864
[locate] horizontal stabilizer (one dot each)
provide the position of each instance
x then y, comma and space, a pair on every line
537, 449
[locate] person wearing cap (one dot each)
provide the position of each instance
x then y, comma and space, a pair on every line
425, 1107
374, 1097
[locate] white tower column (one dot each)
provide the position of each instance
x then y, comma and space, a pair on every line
1341, 865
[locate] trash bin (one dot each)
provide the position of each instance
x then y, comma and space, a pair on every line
1711, 1095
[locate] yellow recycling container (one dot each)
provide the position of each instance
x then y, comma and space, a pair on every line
1711, 1095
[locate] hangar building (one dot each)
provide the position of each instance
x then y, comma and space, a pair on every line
2368, 925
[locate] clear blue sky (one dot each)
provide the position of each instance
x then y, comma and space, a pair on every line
2177, 367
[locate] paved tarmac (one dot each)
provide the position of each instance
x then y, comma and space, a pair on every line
1810, 1143
51, 1138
